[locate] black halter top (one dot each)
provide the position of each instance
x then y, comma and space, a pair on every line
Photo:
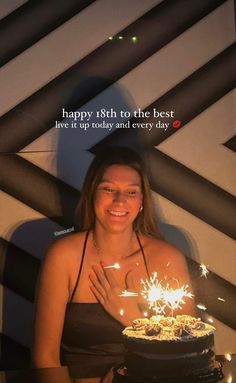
88, 329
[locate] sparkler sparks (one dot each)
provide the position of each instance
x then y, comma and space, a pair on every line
221, 299
127, 293
210, 320
115, 266
161, 297
204, 270
201, 307
228, 357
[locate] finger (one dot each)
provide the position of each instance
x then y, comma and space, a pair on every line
97, 285
101, 276
97, 295
111, 275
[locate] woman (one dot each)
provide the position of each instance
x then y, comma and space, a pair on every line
80, 308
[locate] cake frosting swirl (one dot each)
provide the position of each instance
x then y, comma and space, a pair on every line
160, 328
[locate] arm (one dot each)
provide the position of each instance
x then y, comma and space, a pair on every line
51, 300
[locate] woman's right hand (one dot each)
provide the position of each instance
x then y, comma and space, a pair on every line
108, 293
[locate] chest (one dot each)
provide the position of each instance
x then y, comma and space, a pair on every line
117, 276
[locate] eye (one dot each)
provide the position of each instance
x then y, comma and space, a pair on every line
108, 189
132, 193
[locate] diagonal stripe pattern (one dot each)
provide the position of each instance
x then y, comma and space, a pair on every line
112, 60
97, 71
208, 84
192, 192
18, 31
14, 277
231, 143
31, 183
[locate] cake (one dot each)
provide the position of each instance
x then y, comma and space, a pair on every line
167, 347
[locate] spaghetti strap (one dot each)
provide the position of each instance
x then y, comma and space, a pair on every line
144, 258
81, 265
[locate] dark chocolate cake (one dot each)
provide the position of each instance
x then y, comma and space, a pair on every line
166, 346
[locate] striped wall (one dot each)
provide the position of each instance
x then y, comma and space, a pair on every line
183, 61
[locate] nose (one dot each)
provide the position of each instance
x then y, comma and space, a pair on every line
119, 197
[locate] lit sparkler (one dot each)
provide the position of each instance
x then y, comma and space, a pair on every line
115, 266
161, 297
204, 270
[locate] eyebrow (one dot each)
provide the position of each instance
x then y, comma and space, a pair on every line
111, 182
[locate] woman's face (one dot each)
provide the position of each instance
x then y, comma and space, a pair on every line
118, 198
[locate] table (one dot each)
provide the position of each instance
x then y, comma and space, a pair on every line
84, 374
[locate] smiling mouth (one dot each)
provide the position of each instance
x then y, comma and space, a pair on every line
118, 213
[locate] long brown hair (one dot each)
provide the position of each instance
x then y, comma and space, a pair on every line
145, 221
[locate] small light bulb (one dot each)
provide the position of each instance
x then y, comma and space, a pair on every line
145, 314
110, 38
120, 37
134, 39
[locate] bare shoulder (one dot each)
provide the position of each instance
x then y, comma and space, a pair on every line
65, 251
164, 257
161, 249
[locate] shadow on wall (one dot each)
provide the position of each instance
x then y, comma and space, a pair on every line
56, 200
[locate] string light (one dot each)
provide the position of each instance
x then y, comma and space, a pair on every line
121, 312
134, 39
